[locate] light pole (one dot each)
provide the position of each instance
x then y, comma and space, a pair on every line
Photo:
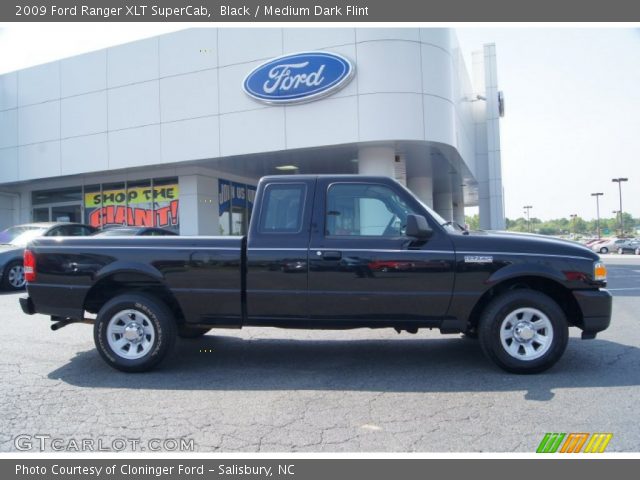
527, 208
619, 181
597, 195
573, 221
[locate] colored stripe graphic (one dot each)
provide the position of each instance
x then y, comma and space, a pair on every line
574, 442
598, 442
550, 442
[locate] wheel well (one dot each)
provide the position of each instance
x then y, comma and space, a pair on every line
558, 292
120, 283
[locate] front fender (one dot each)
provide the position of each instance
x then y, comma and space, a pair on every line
514, 270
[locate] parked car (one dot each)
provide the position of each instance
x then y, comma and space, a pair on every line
134, 232
14, 239
397, 265
608, 245
629, 246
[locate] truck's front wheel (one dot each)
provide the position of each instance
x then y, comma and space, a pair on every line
523, 331
134, 332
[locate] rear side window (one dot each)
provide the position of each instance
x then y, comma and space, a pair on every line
283, 205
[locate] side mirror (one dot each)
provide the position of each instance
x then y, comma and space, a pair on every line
418, 227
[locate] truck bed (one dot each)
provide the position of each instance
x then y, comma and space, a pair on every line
204, 274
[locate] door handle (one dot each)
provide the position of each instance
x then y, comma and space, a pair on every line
331, 255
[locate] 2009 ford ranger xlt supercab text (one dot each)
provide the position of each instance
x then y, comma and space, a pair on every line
324, 252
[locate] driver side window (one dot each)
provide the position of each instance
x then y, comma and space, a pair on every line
365, 210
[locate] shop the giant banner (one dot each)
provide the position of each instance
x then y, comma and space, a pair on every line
136, 206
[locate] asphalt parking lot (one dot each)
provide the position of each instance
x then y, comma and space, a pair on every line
356, 391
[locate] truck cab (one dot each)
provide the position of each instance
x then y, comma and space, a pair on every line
344, 256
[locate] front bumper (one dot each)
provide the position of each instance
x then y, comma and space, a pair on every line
595, 306
27, 305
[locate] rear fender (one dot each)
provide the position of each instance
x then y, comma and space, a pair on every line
120, 267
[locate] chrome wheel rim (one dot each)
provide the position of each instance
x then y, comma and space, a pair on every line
526, 334
15, 276
130, 334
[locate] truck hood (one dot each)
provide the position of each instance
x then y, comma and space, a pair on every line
513, 242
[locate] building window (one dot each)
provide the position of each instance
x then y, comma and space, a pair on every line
151, 202
166, 203
235, 206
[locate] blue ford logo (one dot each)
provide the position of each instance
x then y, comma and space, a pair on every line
298, 78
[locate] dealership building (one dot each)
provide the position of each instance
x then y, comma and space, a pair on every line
176, 130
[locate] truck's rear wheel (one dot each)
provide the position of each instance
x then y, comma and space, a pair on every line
523, 331
134, 332
185, 331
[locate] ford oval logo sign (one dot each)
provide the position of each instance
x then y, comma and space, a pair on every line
299, 77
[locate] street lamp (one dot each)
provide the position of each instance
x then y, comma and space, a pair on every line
573, 221
597, 195
619, 181
527, 208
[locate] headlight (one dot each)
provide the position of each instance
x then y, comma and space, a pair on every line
599, 272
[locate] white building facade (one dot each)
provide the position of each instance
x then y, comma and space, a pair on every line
161, 132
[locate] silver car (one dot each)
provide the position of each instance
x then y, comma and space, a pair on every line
610, 245
629, 246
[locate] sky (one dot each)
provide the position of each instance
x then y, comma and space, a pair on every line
572, 98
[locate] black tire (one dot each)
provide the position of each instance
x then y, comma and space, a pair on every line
152, 314
185, 331
604, 250
503, 311
8, 276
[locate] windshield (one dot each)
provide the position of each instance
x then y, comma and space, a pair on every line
20, 235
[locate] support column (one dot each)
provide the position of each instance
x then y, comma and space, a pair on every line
378, 161
443, 204
8, 210
458, 203
198, 205
422, 187
486, 114
458, 213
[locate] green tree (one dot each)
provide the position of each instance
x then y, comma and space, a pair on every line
473, 221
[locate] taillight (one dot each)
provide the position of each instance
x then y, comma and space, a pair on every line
29, 263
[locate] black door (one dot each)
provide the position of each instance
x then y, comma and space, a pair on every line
361, 265
277, 252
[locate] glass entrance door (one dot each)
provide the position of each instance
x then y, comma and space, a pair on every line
58, 213
66, 213
41, 214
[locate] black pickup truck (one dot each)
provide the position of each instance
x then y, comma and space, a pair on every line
324, 252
